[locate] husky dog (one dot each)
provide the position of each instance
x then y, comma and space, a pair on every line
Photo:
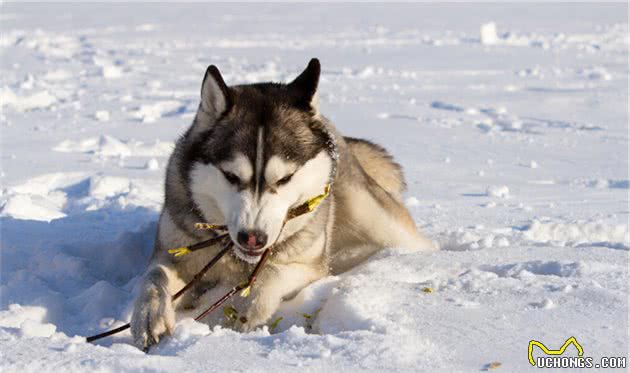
252, 153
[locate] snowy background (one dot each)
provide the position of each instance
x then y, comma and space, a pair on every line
514, 143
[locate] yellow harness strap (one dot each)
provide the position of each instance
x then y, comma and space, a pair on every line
246, 290
315, 201
180, 251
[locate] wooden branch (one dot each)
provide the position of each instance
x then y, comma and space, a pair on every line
207, 243
236, 289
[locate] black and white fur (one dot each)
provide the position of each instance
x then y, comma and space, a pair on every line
252, 153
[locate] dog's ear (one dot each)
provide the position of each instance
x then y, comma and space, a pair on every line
304, 87
215, 94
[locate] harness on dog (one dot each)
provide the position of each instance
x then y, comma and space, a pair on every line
306, 207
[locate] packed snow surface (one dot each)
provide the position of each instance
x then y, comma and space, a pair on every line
510, 121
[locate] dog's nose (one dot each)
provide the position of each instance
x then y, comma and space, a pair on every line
251, 239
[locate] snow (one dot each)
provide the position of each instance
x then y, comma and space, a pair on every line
25, 206
578, 232
26, 102
150, 113
412, 202
510, 121
102, 115
108, 186
489, 33
109, 146
152, 164
499, 191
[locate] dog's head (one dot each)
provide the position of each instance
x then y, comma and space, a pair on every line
257, 151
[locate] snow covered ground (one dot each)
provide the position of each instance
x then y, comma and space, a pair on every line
513, 136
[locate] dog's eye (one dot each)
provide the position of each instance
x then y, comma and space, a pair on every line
284, 180
231, 178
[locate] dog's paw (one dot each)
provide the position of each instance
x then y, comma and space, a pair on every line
153, 316
258, 314
250, 325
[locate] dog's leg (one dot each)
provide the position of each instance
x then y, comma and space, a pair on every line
275, 282
154, 313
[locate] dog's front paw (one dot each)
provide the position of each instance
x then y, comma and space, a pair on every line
258, 314
153, 316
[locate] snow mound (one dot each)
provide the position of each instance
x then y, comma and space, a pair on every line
577, 233
24, 206
149, 113
108, 69
26, 102
412, 202
15, 315
489, 33
463, 240
102, 187
29, 321
31, 329
102, 115
498, 191
152, 164
52, 196
40, 198
109, 146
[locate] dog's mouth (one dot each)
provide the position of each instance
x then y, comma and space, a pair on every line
251, 256
251, 252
